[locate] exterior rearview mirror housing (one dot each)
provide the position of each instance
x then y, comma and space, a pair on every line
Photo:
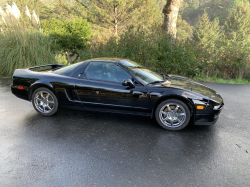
128, 82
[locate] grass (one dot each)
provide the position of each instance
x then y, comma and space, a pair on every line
22, 50
22, 44
220, 80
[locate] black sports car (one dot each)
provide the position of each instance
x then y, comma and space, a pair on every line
118, 86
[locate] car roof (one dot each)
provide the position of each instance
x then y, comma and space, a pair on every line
106, 59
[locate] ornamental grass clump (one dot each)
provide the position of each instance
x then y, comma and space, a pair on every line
22, 43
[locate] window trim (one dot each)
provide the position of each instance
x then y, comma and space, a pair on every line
139, 82
83, 67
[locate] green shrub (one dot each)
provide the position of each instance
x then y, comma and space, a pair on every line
68, 36
224, 51
152, 50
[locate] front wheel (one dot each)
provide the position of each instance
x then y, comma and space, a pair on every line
172, 114
44, 101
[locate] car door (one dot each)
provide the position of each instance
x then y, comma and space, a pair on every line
100, 88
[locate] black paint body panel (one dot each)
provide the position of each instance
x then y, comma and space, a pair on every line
79, 93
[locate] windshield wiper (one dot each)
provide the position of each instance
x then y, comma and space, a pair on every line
156, 82
165, 77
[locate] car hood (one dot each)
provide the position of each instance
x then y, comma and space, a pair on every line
188, 84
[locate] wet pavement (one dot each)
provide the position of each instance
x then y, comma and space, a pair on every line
75, 148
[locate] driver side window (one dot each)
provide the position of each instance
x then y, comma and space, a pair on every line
106, 71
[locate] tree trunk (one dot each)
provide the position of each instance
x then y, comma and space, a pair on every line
115, 20
170, 12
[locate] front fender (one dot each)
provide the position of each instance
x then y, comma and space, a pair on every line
189, 98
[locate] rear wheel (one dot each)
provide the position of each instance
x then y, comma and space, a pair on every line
172, 114
44, 101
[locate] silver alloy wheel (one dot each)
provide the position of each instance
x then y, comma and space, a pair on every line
44, 102
172, 115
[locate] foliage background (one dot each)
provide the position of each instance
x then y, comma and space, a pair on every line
212, 35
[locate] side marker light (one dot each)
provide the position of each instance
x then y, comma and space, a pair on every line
200, 107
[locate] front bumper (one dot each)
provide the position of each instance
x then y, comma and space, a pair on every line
208, 119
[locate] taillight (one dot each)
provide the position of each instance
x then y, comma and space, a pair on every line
20, 87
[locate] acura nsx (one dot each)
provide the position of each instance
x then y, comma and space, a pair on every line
118, 86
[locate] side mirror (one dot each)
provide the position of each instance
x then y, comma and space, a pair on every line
128, 82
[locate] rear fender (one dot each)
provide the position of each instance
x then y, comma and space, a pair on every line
37, 85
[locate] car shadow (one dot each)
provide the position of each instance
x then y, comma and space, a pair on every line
132, 134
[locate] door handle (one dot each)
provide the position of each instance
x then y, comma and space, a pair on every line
140, 94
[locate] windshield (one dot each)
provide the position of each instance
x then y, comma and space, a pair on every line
144, 75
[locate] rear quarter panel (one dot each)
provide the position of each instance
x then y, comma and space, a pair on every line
24, 78
32, 80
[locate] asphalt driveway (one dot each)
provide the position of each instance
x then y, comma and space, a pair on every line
75, 148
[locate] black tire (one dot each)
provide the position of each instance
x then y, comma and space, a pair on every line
43, 105
172, 118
